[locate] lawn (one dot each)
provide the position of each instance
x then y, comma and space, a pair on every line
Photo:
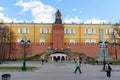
17, 68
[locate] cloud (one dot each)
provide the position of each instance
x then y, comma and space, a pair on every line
1, 8
59, 0
74, 9
89, 21
3, 18
40, 12
72, 20
27, 5
44, 13
95, 21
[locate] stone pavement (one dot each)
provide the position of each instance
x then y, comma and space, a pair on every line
60, 71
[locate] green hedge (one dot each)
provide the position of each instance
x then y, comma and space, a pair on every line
114, 62
32, 58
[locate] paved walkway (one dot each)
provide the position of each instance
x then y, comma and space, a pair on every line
60, 71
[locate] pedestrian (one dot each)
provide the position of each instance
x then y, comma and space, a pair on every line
78, 65
42, 61
97, 62
108, 70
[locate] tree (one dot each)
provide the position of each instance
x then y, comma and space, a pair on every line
116, 33
115, 37
7, 42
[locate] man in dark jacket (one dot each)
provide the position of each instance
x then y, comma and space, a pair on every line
108, 70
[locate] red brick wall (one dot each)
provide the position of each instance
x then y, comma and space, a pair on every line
34, 49
88, 49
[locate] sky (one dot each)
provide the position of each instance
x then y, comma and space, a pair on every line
73, 11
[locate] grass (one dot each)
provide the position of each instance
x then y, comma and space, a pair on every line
117, 62
17, 68
32, 58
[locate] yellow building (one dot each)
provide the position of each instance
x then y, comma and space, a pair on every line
73, 33
57, 37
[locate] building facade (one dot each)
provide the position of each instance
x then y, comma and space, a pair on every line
80, 38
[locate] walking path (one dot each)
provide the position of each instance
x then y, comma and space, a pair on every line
60, 71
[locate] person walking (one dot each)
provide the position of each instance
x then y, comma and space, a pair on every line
42, 61
78, 65
108, 70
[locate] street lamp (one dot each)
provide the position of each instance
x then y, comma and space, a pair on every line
104, 45
25, 44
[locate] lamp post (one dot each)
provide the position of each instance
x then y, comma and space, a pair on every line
25, 44
104, 45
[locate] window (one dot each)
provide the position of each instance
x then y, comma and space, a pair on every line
66, 30
48, 30
93, 41
108, 31
92, 31
26, 30
86, 31
19, 40
72, 31
113, 32
42, 40
72, 41
87, 41
20, 30
42, 30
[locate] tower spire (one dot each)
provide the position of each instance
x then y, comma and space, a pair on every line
58, 17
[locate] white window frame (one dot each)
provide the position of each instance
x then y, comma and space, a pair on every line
72, 31
42, 31
108, 31
86, 31
42, 40
92, 31
47, 30
20, 30
87, 41
19, 39
67, 31
93, 40
26, 30
72, 40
